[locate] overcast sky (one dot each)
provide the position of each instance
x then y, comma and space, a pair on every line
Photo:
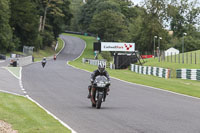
136, 1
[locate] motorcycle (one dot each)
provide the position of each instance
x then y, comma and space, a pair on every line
43, 63
54, 57
99, 91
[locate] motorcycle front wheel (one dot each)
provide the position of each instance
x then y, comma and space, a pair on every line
99, 101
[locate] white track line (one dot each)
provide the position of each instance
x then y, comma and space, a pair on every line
144, 85
28, 97
62, 47
81, 52
64, 124
49, 58
11, 72
48, 112
11, 93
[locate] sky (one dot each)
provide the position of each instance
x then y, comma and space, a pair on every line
136, 1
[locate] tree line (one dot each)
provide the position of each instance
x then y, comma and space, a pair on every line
149, 23
32, 23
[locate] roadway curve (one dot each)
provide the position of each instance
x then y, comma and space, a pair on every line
129, 108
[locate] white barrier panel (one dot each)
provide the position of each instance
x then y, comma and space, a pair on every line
159, 72
25, 61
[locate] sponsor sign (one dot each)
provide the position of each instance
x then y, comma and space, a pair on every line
114, 46
146, 56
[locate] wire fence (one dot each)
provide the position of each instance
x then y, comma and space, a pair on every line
28, 50
173, 57
183, 58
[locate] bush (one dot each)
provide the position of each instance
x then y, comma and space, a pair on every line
48, 38
106, 55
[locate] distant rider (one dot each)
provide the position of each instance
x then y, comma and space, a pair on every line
100, 71
44, 61
54, 57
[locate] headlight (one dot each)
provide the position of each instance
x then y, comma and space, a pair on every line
101, 84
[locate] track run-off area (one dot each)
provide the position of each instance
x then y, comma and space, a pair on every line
62, 90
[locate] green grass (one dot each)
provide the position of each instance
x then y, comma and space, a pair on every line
47, 52
60, 45
177, 65
38, 56
187, 87
14, 70
26, 117
43, 53
174, 64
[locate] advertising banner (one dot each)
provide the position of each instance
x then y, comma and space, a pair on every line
115, 46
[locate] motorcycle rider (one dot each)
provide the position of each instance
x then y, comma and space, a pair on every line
100, 71
44, 61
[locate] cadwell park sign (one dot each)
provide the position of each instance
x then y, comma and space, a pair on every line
115, 46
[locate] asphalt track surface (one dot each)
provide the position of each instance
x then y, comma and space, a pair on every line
9, 83
129, 108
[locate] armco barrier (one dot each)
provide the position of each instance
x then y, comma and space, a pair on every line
94, 62
24, 61
148, 70
192, 74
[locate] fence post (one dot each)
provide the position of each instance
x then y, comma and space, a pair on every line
167, 56
175, 57
179, 58
171, 56
195, 58
164, 56
187, 58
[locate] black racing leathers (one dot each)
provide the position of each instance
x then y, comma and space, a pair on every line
93, 76
97, 73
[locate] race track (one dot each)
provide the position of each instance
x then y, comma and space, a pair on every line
129, 108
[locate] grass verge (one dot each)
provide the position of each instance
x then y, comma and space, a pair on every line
47, 52
171, 65
173, 62
26, 117
38, 56
187, 87
14, 70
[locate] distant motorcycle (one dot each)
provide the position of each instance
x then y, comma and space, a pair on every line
54, 57
44, 62
99, 91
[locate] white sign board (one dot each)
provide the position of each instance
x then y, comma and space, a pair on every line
115, 46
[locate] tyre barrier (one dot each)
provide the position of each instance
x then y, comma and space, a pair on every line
192, 74
112, 66
148, 70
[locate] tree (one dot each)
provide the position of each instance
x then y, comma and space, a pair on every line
126, 7
51, 7
59, 22
181, 14
6, 32
107, 5
87, 12
110, 26
144, 27
24, 22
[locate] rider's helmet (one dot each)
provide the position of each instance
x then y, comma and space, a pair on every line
44, 58
101, 68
